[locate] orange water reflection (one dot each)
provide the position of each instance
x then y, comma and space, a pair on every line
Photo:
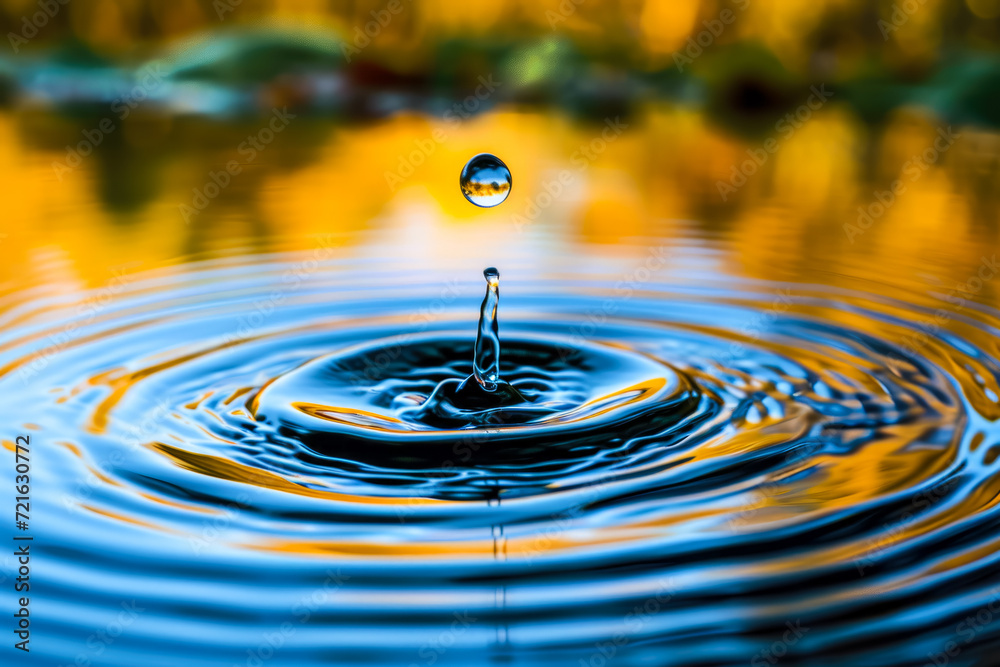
806, 214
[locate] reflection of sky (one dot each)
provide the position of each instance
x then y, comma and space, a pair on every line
488, 185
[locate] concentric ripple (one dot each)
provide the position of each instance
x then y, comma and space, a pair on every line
380, 404
703, 468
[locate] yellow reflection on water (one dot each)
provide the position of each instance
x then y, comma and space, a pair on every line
815, 210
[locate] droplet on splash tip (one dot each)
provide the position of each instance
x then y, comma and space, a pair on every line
485, 180
492, 277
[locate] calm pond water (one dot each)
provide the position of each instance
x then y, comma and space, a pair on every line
771, 432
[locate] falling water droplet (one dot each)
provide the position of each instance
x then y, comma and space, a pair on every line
485, 180
486, 365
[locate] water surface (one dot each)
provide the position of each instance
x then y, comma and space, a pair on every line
788, 451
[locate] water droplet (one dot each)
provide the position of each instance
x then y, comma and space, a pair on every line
485, 180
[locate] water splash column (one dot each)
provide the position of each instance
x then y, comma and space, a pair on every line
486, 365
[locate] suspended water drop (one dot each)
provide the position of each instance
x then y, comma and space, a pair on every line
485, 180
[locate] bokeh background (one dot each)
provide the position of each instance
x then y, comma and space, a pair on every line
116, 113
